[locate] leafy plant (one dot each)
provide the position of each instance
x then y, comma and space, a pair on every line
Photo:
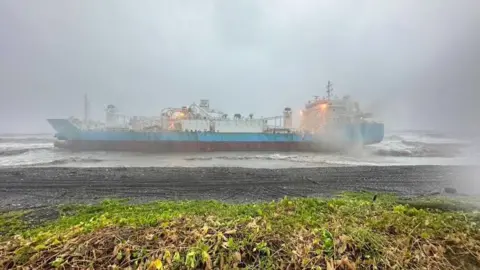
349, 231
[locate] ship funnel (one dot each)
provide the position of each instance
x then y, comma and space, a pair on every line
287, 117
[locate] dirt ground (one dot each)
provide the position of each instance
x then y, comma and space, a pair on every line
26, 188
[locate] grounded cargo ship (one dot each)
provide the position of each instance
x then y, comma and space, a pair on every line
328, 123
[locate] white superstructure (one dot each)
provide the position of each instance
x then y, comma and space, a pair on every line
318, 115
196, 118
328, 112
240, 125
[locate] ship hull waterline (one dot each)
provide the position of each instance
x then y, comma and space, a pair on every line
193, 147
71, 137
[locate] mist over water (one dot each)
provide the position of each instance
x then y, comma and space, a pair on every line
414, 64
399, 148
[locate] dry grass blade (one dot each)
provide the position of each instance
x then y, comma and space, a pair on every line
339, 233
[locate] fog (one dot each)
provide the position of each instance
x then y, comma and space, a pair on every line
412, 63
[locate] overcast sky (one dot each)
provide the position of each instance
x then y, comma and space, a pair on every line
415, 64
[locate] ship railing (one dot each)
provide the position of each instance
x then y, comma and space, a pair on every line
279, 130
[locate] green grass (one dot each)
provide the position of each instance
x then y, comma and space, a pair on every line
349, 231
11, 223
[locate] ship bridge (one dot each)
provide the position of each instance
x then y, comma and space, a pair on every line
321, 113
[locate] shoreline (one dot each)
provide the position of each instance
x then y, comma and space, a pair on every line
37, 187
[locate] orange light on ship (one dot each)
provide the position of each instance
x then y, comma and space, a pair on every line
178, 115
323, 107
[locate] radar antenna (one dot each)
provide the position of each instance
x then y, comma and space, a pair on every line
329, 89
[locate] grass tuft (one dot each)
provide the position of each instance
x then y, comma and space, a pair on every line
346, 232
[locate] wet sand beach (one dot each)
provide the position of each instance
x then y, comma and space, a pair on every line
25, 188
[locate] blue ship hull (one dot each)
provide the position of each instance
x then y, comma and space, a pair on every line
172, 141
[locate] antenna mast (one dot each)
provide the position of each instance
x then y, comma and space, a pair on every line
329, 89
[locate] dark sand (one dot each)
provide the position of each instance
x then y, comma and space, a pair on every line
24, 188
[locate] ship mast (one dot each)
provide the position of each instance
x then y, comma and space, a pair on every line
85, 110
329, 89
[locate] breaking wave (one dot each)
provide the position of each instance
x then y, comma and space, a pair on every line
27, 139
398, 146
14, 152
70, 160
413, 153
393, 137
291, 158
308, 160
16, 145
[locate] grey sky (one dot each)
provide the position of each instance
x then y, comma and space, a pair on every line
413, 63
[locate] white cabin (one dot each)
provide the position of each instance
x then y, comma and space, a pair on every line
195, 125
240, 125
321, 113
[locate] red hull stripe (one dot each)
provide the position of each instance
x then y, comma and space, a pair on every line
171, 146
